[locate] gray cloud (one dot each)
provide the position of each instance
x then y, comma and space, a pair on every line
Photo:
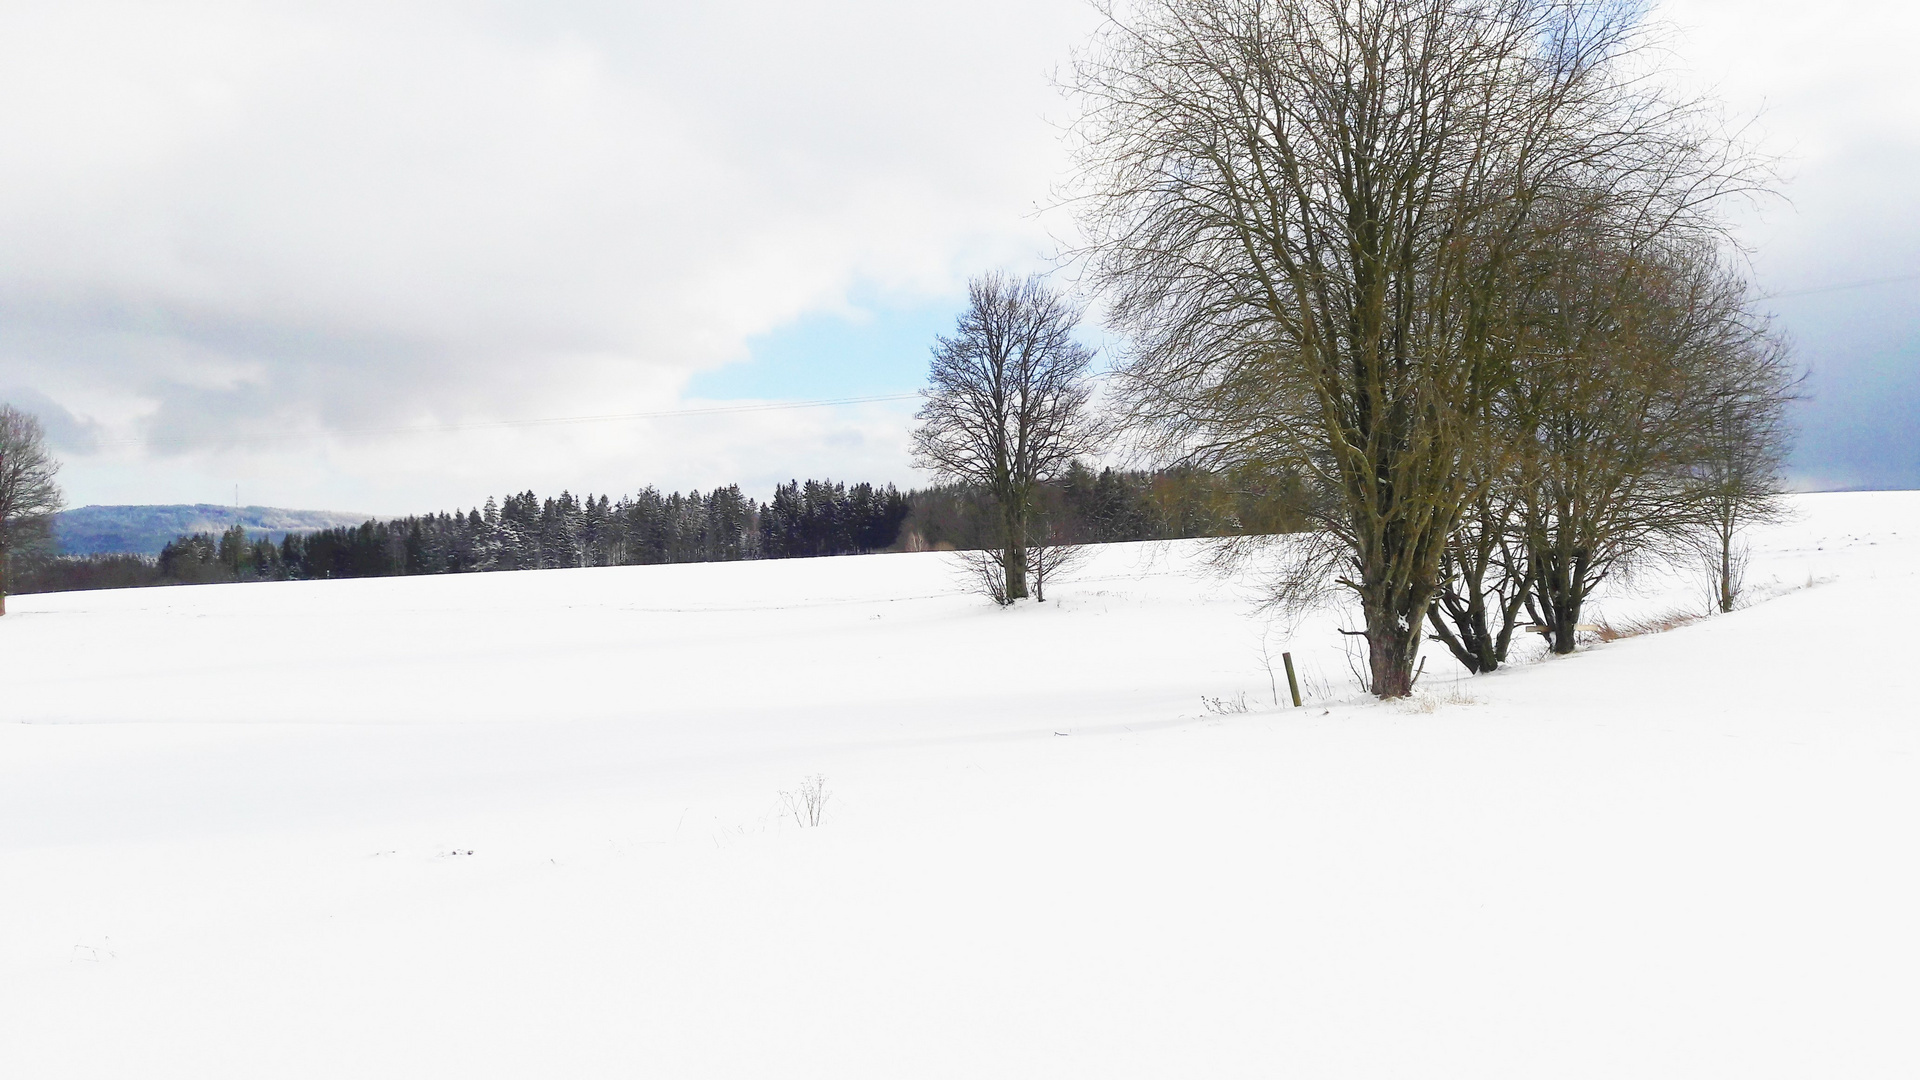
65, 431
1857, 423
1838, 111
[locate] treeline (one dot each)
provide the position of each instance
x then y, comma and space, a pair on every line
1112, 506
803, 519
525, 532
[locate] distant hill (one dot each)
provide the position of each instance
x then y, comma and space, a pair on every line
144, 530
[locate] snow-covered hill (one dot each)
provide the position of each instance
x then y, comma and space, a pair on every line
532, 824
144, 530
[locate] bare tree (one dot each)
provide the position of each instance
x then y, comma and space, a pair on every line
1310, 216
28, 496
1007, 407
1643, 405
1483, 582
1635, 354
1740, 453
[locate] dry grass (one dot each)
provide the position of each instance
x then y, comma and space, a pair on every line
1223, 706
809, 803
1431, 702
1654, 624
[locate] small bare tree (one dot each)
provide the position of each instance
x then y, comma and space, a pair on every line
1007, 407
1740, 454
28, 496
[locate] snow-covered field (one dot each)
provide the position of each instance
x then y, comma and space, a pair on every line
531, 825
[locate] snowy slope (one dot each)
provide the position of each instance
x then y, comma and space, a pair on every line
235, 826
144, 530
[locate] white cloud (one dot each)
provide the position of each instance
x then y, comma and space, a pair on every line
219, 221
1831, 94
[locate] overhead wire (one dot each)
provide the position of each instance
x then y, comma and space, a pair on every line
1838, 288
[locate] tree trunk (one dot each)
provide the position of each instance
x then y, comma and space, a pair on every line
1558, 588
1472, 637
3, 581
1014, 550
1474, 644
1475, 621
1392, 645
1563, 629
1014, 562
1726, 572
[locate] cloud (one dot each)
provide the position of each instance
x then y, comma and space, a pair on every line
65, 431
219, 220
241, 239
1837, 109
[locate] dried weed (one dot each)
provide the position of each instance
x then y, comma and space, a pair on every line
1654, 624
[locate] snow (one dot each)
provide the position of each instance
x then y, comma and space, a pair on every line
531, 824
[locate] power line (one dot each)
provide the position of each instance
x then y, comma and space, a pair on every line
1837, 288
545, 421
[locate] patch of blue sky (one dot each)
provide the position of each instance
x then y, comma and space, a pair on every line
878, 349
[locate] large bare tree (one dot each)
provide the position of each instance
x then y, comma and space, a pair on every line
28, 496
1310, 217
1006, 407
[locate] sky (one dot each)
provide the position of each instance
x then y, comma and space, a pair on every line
397, 256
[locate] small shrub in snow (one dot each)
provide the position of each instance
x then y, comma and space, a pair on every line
980, 572
1221, 705
1429, 702
808, 803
